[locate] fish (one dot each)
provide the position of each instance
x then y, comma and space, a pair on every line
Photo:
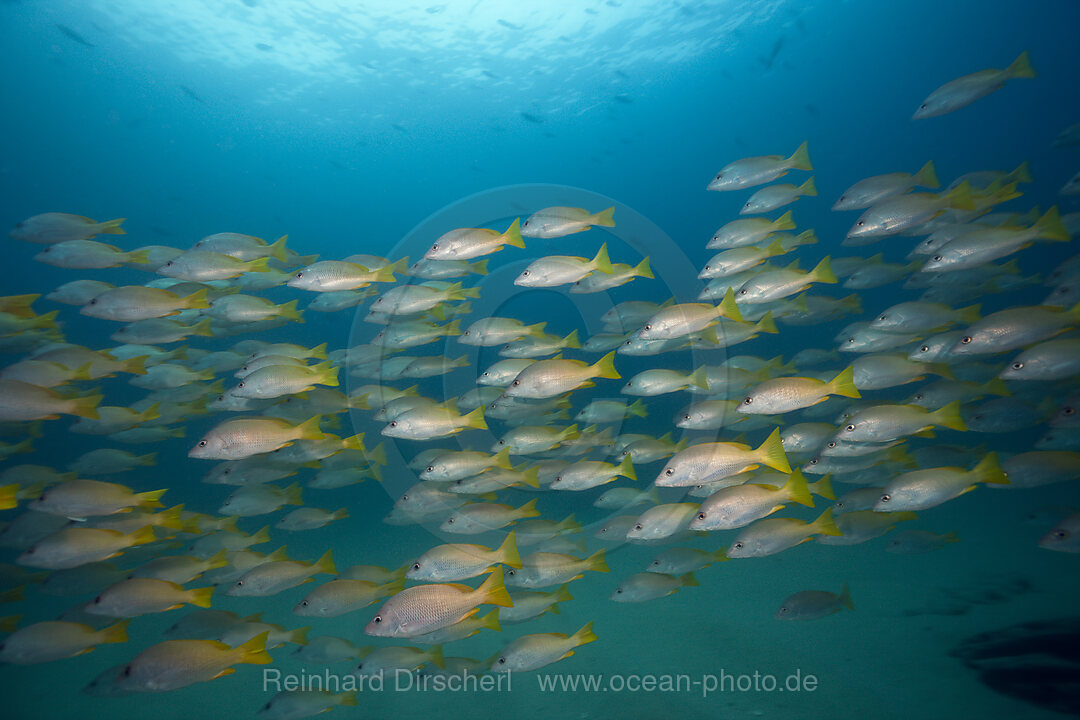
737, 506
469, 243
244, 437
55, 640
1063, 537
645, 586
752, 171
774, 535
303, 703
922, 489
174, 664
532, 652
555, 270
555, 222
51, 228
461, 561
777, 196
782, 395
710, 461
550, 378
874, 189
425, 608
138, 596
963, 91
814, 604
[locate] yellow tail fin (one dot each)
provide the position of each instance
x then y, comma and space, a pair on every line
728, 308
643, 269
277, 249
309, 429
602, 263
1050, 227
290, 312
699, 378
800, 159
115, 633
584, 635
604, 218
989, 471
771, 453
784, 222
87, 406
512, 236
797, 489
808, 188
292, 495
1021, 67
201, 328
571, 341
824, 525
493, 591
480, 267
637, 409
200, 597
596, 562
528, 510
766, 324
845, 598
150, 499
218, 560
475, 419
325, 564
605, 367
960, 197
927, 176
112, 227
490, 621
508, 551
823, 271
823, 487
844, 383
949, 417
253, 652
626, 468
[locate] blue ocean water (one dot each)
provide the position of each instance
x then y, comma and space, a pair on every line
367, 127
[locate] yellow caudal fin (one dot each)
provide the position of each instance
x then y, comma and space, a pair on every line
823, 487
771, 453
292, 495
570, 433
325, 564
142, 536
824, 525
637, 409
584, 635
699, 378
728, 308
626, 468
688, 580
201, 328
151, 413
277, 249
87, 406
309, 429
602, 263
475, 419
536, 330
253, 652
1050, 227
289, 311
299, 636
1021, 67
776, 247
571, 341
949, 417
643, 269
808, 188
354, 442
997, 387
927, 176
149, 500
596, 562
531, 478
969, 314
508, 552
797, 490
605, 367
512, 236
7, 496
501, 459
784, 222
218, 560
200, 597
112, 227
347, 698
1021, 174
569, 524
451, 330
259, 265
989, 471
340, 514
115, 633
604, 218
490, 621
823, 271
384, 274
197, 300
562, 593
844, 383
845, 598
147, 460
493, 591
327, 373
279, 555
800, 159
960, 197
528, 510
766, 324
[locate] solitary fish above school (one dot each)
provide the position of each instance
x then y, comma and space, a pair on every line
965, 90
554, 222
752, 171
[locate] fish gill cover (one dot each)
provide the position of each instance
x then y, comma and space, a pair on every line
605, 359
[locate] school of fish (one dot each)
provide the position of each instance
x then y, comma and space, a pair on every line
874, 426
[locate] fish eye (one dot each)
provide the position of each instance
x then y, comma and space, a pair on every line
377, 619
966, 339
737, 546
861, 223
882, 317
1017, 365
1060, 534
747, 400
700, 516
638, 526
671, 471
924, 348
303, 603
93, 301
1068, 410
393, 424
524, 273
685, 417
502, 660
832, 444
851, 339
516, 383
416, 566
405, 497
299, 275
202, 443
511, 572
241, 384
812, 461
239, 583
885, 498
849, 427
97, 600
742, 292
656, 563
937, 258
435, 246
648, 326
127, 671
923, 106
618, 591
450, 521
917, 396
